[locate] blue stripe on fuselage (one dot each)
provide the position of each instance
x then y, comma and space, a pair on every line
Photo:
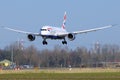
52, 37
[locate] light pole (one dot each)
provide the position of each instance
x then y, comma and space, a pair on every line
12, 57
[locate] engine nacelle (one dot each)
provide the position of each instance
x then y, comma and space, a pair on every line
31, 37
71, 36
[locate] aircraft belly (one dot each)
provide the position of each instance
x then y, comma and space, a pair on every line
52, 37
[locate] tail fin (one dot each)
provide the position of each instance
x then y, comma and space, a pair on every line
64, 21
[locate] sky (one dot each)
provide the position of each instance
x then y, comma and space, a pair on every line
31, 15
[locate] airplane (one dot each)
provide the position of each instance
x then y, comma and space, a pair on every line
56, 33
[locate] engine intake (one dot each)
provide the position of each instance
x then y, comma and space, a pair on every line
71, 36
31, 37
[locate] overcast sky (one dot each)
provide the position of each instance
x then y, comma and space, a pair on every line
31, 15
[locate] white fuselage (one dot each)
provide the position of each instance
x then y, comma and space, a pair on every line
52, 32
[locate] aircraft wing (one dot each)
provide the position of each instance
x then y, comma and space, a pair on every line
91, 30
85, 31
24, 32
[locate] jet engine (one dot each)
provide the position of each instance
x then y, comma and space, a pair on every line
71, 36
31, 37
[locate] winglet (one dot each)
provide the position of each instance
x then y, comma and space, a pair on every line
64, 20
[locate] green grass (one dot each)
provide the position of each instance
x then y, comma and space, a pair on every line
61, 76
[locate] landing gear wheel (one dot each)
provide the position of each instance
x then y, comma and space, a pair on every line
44, 42
64, 42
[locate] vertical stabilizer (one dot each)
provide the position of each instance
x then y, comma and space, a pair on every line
64, 21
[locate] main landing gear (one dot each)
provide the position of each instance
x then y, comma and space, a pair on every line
44, 42
64, 42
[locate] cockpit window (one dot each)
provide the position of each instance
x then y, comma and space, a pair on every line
43, 29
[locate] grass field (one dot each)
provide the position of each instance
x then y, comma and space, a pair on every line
61, 74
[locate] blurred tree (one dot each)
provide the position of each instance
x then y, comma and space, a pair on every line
61, 57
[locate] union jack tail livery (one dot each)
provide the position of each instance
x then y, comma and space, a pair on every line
64, 21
